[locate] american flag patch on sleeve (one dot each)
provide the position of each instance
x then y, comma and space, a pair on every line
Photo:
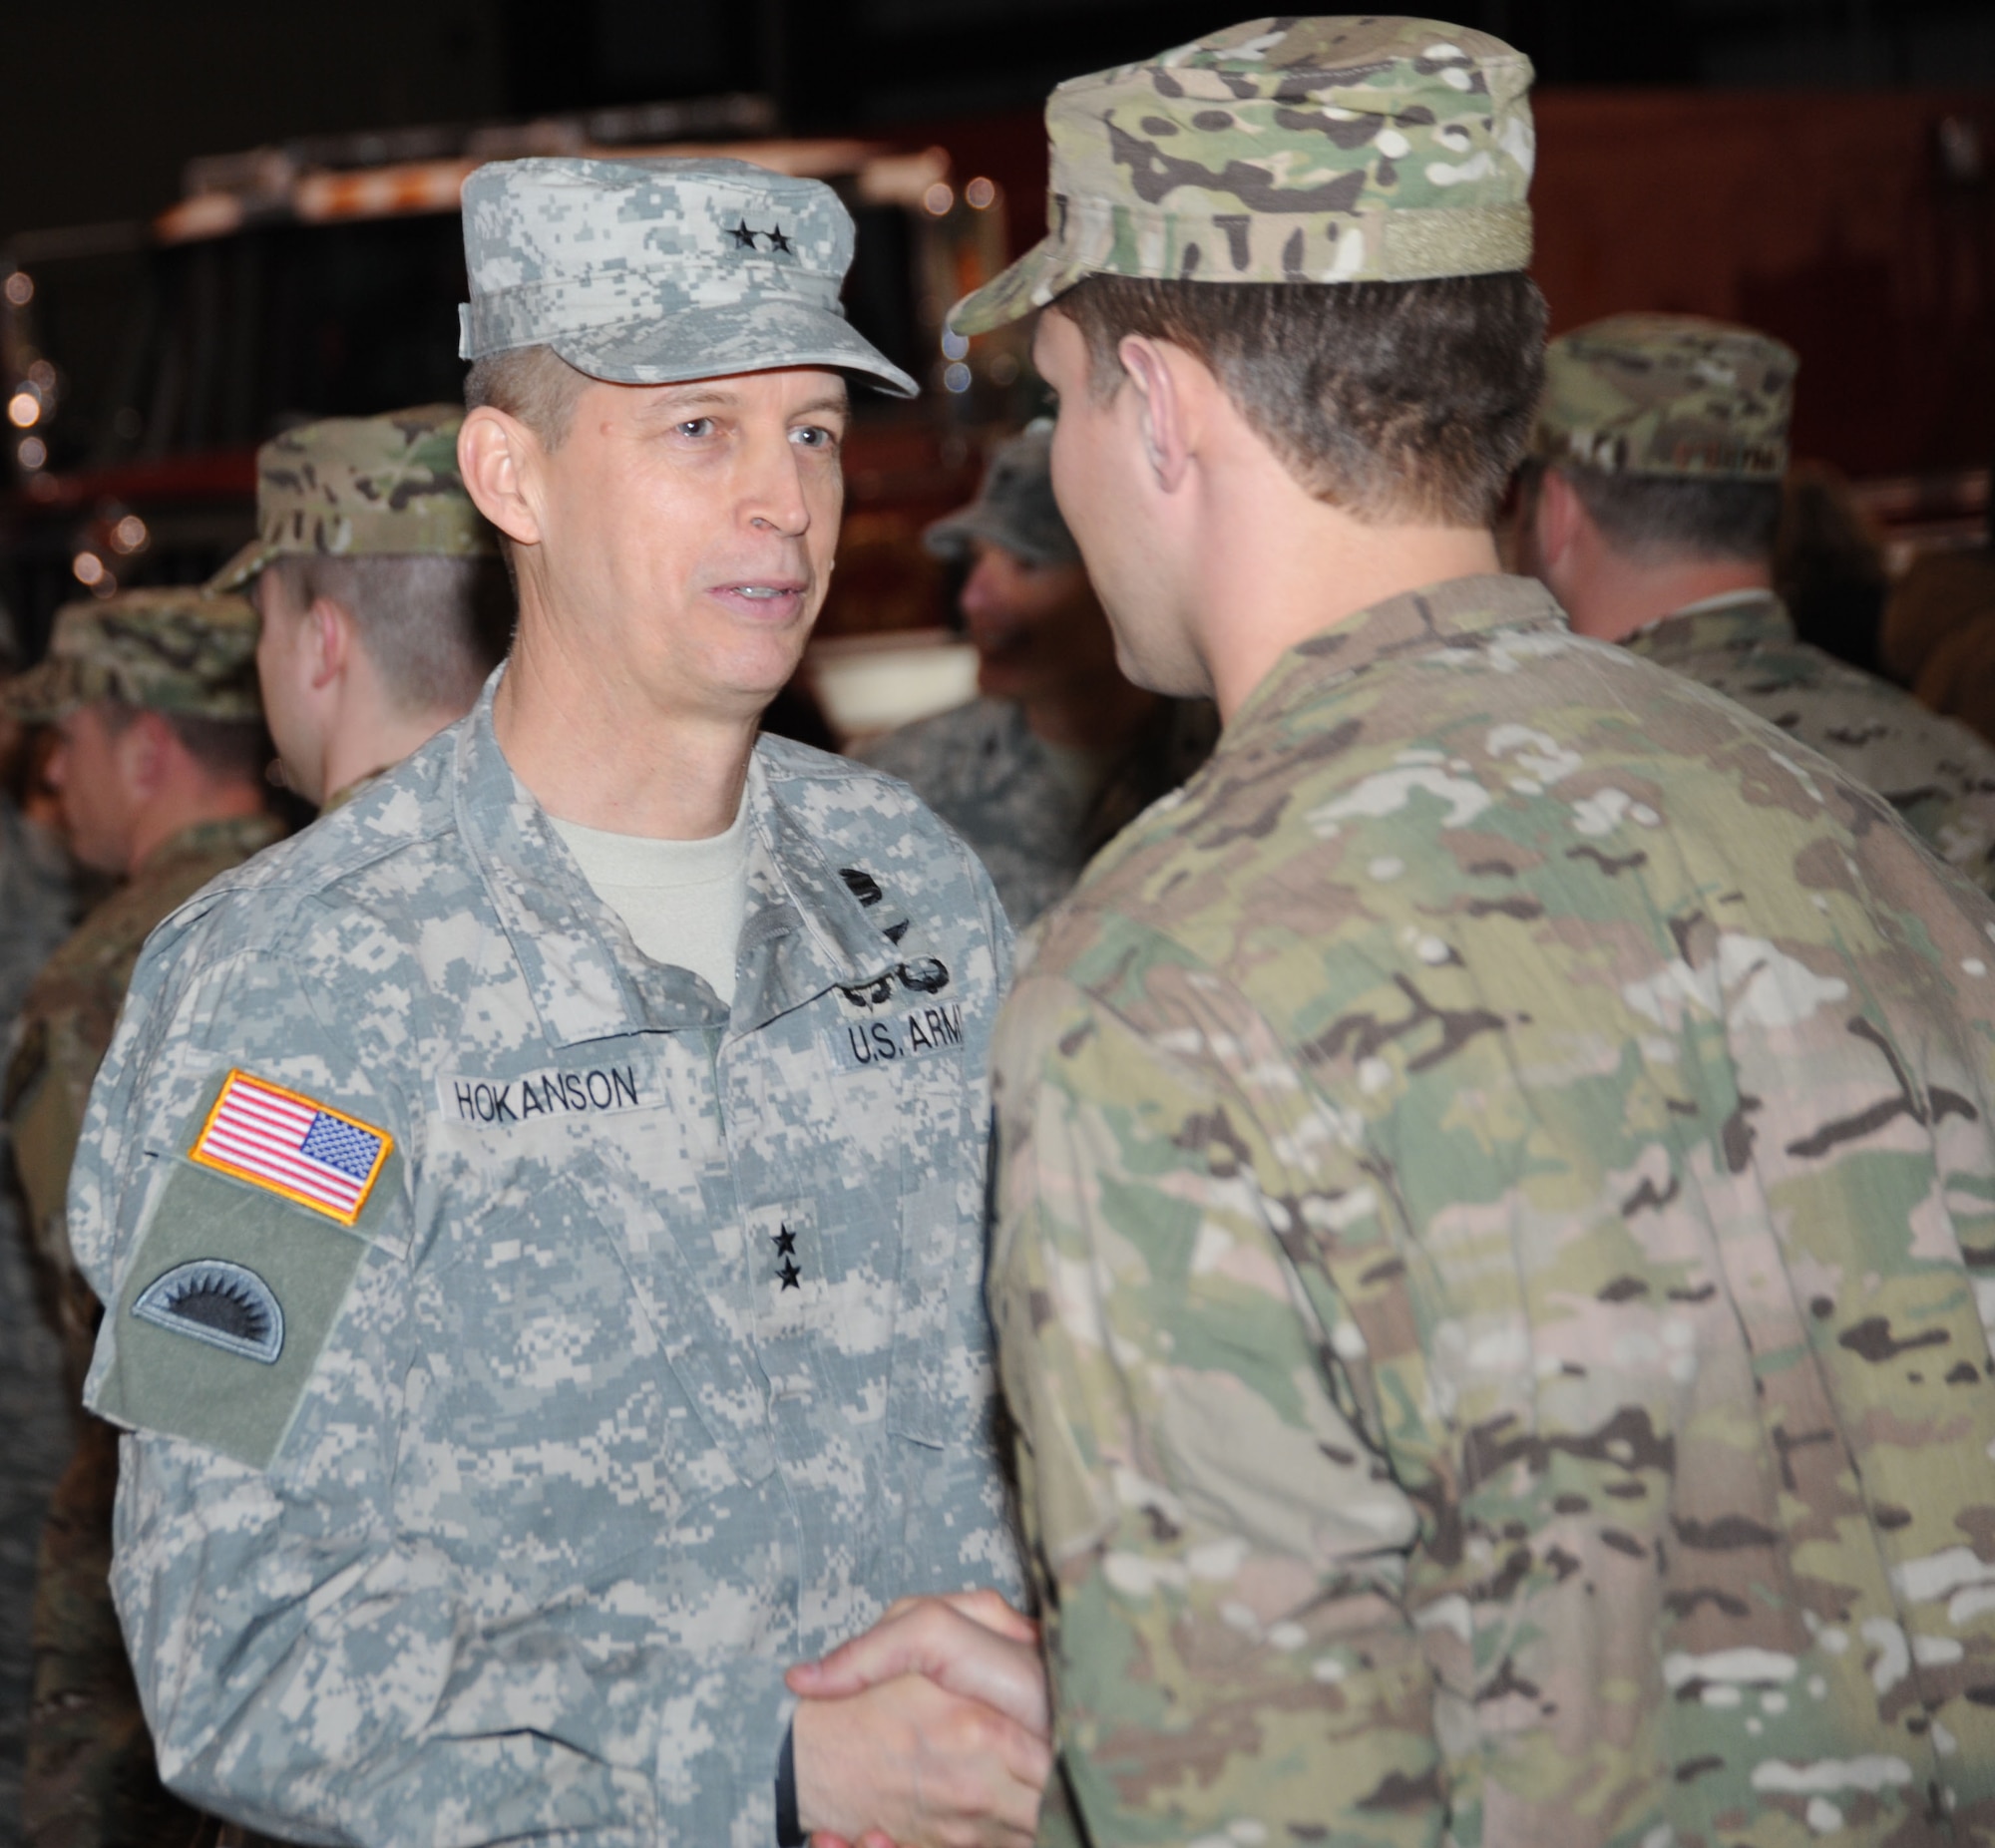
294, 1146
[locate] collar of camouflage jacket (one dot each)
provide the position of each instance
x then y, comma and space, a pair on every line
1461, 611
803, 932
1731, 623
237, 838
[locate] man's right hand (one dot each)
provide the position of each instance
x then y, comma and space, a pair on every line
930, 1768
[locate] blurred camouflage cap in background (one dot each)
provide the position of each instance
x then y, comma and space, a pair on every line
1341, 149
175, 649
647, 272
362, 487
1014, 507
1668, 394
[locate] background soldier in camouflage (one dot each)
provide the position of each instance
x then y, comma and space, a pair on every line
1650, 509
160, 776
1494, 1175
542, 1203
1059, 750
383, 605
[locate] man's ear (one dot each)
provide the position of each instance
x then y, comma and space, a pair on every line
499, 457
1162, 408
329, 639
143, 750
1557, 516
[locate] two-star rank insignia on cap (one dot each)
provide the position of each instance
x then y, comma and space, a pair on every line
745, 237
292, 1145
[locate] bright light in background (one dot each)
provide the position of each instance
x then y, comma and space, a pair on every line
130, 533
955, 377
19, 289
954, 345
979, 193
89, 568
24, 410
33, 452
938, 198
42, 375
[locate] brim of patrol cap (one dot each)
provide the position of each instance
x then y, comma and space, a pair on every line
243, 566
42, 695
714, 342
950, 537
1043, 274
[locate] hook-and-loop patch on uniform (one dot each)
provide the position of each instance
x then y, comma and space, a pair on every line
253, 1246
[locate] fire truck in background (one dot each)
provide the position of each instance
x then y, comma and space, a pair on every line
142, 363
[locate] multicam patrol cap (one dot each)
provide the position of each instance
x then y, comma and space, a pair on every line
1341, 150
362, 487
1668, 395
171, 650
647, 272
1014, 507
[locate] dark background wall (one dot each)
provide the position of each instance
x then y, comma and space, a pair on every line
107, 99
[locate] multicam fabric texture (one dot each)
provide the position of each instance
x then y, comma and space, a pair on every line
1025, 816
645, 271
1014, 505
1340, 150
1935, 772
89, 1780
362, 487
1668, 395
1494, 1186
660, 1360
171, 650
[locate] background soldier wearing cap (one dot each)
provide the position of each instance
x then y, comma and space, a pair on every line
542, 1203
382, 600
1650, 509
1059, 750
160, 772
1487, 1173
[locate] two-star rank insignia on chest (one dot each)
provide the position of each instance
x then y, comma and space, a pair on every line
785, 1241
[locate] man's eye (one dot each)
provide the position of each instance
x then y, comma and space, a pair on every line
695, 427
815, 436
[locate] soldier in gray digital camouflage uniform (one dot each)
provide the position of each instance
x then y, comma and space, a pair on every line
1648, 509
1058, 750
378, 589
541, 1207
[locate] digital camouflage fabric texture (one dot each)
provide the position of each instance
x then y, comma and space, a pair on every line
170, 651
1014, 507
1334, 150
1495, 1258
647, 272
362, 487
588, 1353
1019, 807
1937, 772
1668, 395
88, 1780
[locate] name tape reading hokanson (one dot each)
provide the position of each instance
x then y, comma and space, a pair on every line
294, 1144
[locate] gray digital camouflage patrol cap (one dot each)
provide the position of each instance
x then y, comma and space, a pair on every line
1014, 507
648, 271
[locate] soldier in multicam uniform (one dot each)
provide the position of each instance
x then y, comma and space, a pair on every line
380, 593
160, 776
542, 1203
1060, 750
1649, 507
1495, 1176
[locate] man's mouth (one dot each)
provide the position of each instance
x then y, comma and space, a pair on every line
764, 595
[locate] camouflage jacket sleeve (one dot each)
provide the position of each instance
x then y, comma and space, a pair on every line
306, 1668
1220, 1547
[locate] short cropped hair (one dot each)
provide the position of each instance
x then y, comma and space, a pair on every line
1392, 401
1656, 517
534, 384
433, 627
229, 750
